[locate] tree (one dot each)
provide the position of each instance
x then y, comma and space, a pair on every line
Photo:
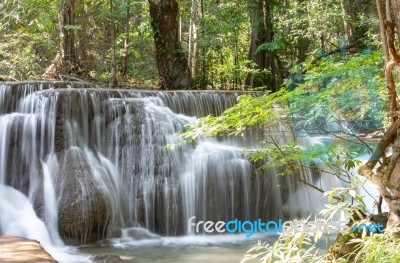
113, 74
126, 39
66, 19
261, 50
387, 175
172, 63
193, 39
66, 60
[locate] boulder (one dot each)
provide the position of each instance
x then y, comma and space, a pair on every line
84, 214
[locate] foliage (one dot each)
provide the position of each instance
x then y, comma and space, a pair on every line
327, 91
347, 201
321, 157
378, 249
330, 93
300, 245
326, 97
336, 91
27, 39
296, 246
224, 35
249, 111
31, 37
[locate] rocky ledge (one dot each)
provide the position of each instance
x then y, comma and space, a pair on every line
23, 250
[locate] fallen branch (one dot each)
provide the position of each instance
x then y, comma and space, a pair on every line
62, 76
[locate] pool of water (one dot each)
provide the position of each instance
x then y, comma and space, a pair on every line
195, 249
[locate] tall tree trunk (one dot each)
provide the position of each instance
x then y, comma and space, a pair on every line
203, 80
180, 27
172, 63
83, 41
388, 42
65, 61
126, 40
138, 21
382, 30
262, 32
66, 20
193, 36
113, 74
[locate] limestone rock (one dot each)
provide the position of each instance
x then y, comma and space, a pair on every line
84, 216
23, 250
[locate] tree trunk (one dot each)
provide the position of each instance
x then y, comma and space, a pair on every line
172, 63
126, 40
83, 41
65, 61
180, 27
113, 74
138, 21
67, 19
193, 36
387, 176
382, 29
203, 78
262, 32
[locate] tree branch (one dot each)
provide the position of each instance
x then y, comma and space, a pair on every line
294, 170
389, 68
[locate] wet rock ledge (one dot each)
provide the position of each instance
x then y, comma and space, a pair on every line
23, 250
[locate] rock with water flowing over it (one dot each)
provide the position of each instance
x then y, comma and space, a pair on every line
23, 250
83, 213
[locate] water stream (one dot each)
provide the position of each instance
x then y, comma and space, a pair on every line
80, 164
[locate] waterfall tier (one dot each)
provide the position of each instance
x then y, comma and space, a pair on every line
93, 160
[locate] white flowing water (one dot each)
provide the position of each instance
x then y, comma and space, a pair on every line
88, 164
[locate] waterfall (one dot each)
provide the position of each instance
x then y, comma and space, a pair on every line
90, 160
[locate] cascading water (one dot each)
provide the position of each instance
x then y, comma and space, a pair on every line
90, 161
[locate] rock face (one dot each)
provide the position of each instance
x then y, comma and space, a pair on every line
23, 250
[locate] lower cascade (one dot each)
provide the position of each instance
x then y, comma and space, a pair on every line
79, 164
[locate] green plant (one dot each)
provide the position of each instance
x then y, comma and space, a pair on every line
378, 248
295, 246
